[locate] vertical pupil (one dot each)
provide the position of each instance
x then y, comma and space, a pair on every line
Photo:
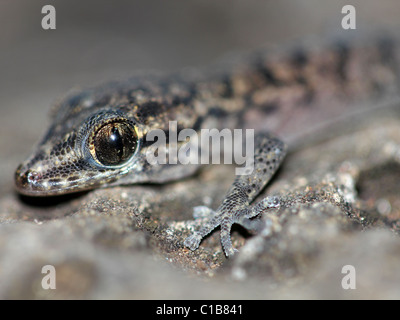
116, 141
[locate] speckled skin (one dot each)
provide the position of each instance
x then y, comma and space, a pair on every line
281, 92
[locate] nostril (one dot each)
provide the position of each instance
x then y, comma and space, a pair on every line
25, 178
33, 176
29, 182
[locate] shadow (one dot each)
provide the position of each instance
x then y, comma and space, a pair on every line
50, 201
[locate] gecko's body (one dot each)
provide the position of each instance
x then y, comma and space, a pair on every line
98, 136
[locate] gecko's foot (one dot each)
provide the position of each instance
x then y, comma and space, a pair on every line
236, 208
225, 219
193, 241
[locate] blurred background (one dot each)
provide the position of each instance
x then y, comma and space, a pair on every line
97, 41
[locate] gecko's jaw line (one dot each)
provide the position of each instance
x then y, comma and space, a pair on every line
35, 183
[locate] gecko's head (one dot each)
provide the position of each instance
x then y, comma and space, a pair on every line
80, 152
98, 136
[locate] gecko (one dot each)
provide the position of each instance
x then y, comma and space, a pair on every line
98, 136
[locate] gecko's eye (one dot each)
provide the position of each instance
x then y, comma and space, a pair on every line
114, 143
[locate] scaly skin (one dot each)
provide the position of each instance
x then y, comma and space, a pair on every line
282, 92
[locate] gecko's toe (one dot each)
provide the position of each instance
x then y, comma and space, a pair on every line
231, 252
192, 242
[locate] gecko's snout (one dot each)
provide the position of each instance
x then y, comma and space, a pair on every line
26, 181
41, 175
32, 182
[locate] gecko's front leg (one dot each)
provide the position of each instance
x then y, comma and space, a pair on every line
236, 207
